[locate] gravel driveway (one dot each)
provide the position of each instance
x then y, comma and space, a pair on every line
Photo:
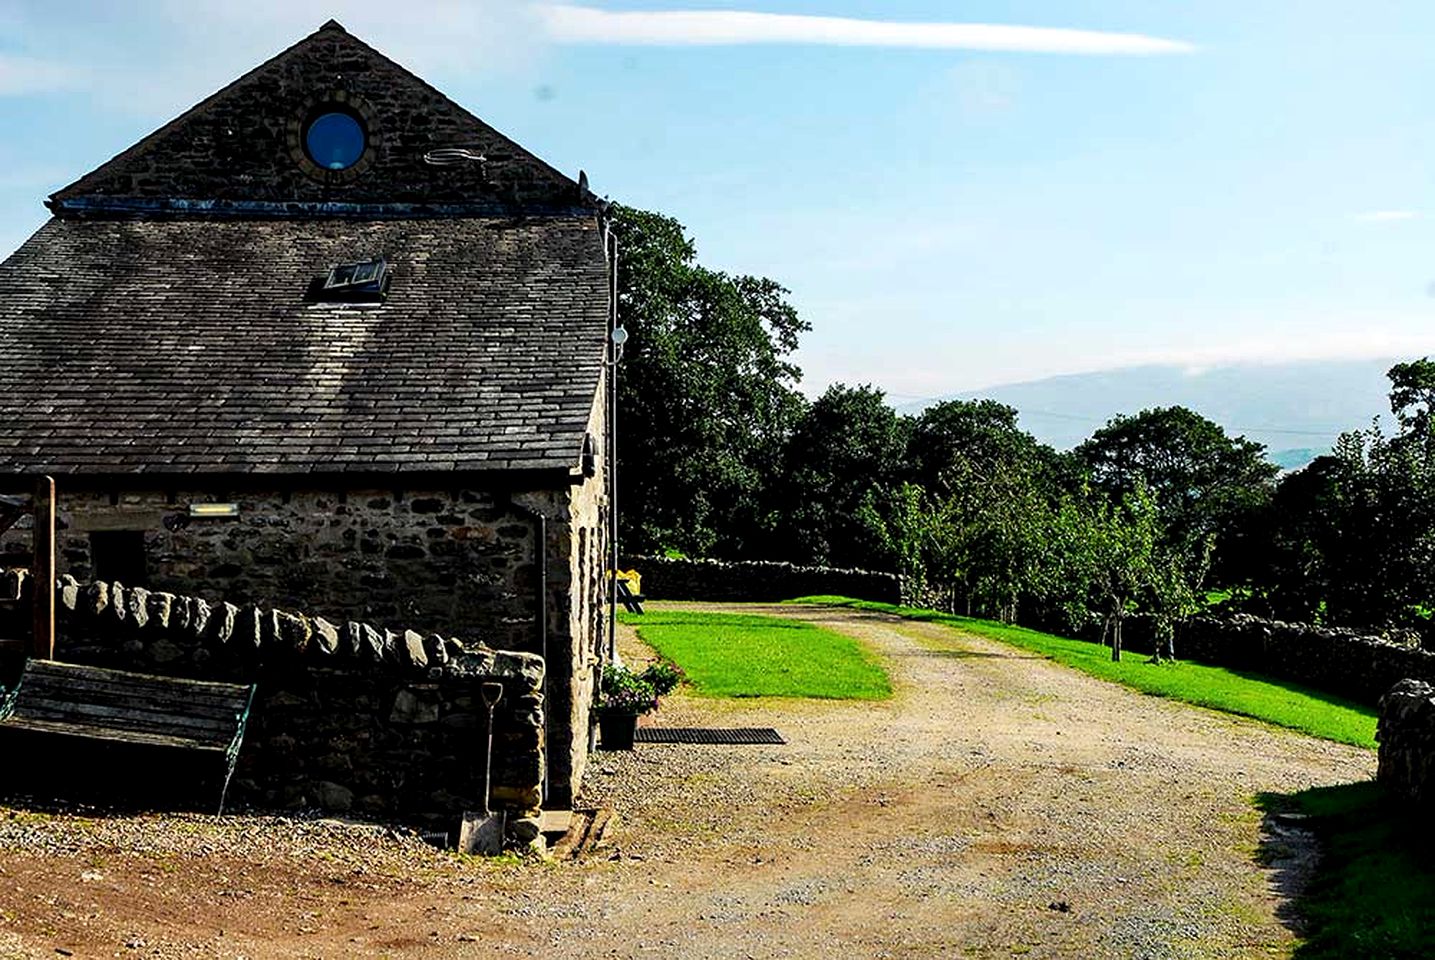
998, 805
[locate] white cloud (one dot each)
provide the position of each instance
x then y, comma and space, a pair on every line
569, 23
1386, 216
26, 75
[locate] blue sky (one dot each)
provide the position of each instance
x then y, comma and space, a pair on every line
953, 204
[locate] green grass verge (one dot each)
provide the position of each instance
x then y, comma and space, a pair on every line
737, 655
1373, 893
1233, 691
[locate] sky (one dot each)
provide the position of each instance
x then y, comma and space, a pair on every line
957, 194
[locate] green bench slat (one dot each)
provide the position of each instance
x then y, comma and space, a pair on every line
71, 729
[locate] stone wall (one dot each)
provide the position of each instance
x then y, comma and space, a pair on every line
757, 581
348, 717
1407, 741
1343, 662
577, 626
461, 562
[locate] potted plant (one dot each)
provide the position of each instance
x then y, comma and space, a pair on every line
625, 695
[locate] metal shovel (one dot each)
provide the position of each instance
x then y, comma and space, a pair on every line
483, 832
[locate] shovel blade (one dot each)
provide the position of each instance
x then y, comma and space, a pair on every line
482, 833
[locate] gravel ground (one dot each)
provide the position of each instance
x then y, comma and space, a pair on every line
997, 806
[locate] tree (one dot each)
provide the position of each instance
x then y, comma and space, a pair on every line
971, 525
1207, 486
1412, 395
1122, 542
845, 449
706, 394
1353, 534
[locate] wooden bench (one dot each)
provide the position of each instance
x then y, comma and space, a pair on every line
80, 731
626, 596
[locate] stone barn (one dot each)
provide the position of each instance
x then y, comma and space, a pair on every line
328, 342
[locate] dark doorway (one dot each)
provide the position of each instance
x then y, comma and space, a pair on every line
119, 555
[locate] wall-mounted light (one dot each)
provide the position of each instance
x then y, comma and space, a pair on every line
214, 509
619, 336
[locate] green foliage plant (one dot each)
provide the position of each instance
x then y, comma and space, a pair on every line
623, 691
663, 675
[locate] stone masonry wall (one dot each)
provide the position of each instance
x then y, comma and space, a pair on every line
1342, 662
460, 562
577, 640
348, 716
1407, 741
756, 581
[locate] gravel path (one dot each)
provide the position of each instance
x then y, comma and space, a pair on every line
999, 805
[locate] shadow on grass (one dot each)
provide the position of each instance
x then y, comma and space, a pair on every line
1370, 893
1335, 700
948, 654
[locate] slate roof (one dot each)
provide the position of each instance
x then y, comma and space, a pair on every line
159, 323
187, 346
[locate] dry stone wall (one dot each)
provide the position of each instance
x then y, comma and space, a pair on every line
1344, 662
757, 581
1407, 741
348, 716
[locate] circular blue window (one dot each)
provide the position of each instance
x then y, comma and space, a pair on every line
335, 141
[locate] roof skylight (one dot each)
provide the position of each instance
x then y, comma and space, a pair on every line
362, 281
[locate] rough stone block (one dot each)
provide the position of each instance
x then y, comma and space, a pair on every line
137, 606
291, 630
326, 636
524, 830
119, 603
12, 581
249, 628
199, 615
373, 643
223, 622
162, 651
181, 612
96, 598
412, 650
435, 651
414, 707
333, 797
159, 607
69, 592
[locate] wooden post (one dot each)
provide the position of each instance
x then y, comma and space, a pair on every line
42, 644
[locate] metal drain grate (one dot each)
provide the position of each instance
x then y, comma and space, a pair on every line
739, 735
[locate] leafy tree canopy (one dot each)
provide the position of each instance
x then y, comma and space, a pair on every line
1200, 478
706, 393
846, 445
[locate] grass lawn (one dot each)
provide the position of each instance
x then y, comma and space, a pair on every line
736, 655
1250, 695
1373, 893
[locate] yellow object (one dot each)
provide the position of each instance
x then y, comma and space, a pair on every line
634, 579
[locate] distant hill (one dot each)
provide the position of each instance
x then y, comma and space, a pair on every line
1296, 409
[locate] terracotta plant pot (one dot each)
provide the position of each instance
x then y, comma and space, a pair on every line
616, 730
